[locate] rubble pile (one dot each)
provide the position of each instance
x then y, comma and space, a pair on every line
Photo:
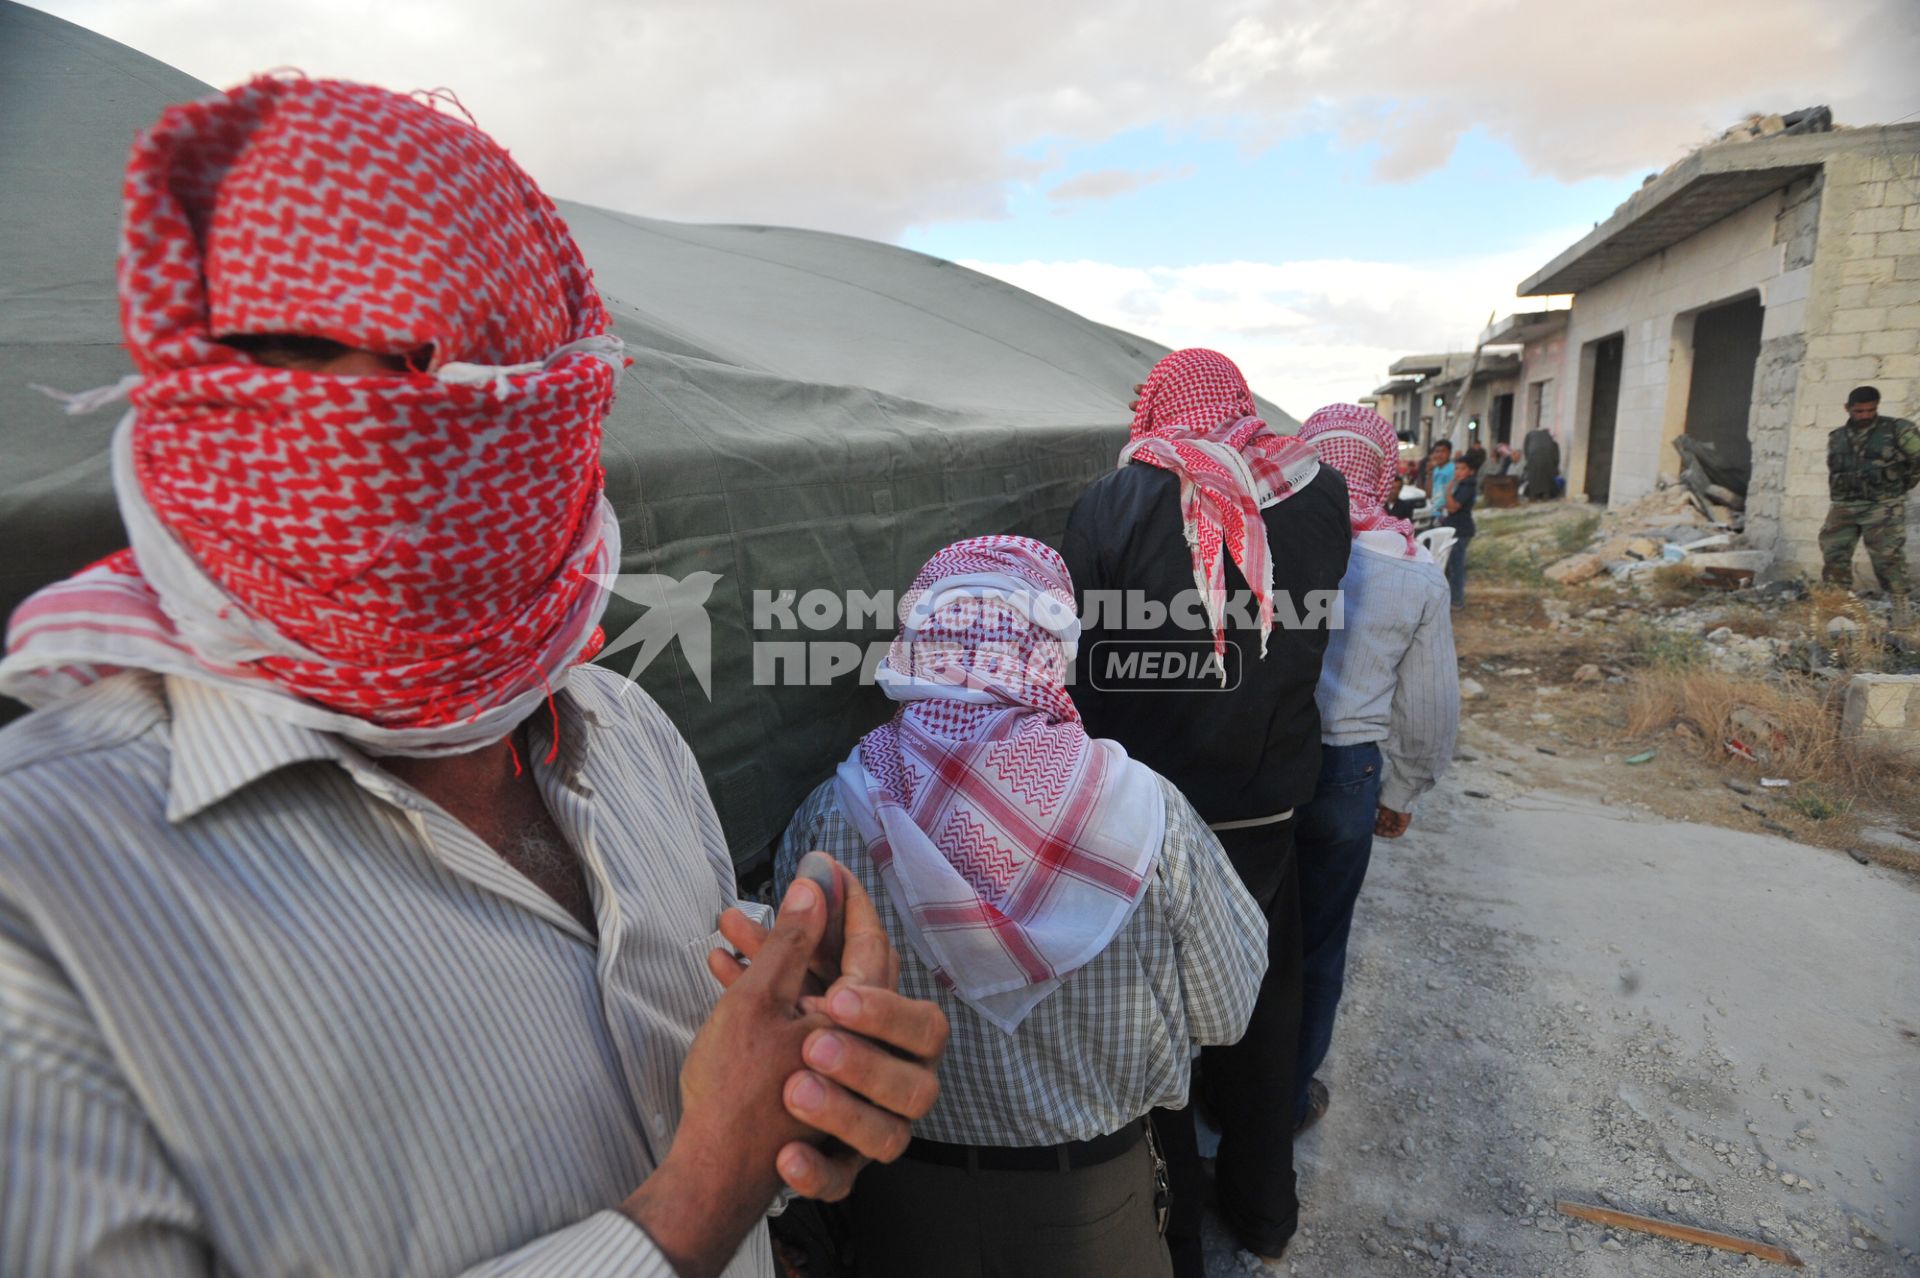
1670, 525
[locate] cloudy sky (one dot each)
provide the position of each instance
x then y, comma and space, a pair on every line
1313, 188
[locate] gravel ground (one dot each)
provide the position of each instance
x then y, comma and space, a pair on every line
1555, 995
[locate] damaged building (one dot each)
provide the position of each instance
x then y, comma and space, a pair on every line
1467, 395
1721, 315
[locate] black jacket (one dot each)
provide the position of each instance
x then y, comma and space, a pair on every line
1246, 752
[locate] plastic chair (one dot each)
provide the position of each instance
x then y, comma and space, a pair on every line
1439, 544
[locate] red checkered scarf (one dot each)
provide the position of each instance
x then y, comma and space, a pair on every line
407, 559
1197, 419
1361, 445
1013, 846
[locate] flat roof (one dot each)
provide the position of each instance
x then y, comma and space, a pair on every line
1398, 386
1697, 192
1419, 365
1527, 326
1492, 364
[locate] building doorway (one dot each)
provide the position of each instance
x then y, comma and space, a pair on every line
1726, 346
1607, 355
1503, 419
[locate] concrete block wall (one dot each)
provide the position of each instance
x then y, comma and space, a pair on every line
1738, 255
1783, 350
1862, 325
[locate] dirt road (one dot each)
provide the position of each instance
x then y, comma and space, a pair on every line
1554, 994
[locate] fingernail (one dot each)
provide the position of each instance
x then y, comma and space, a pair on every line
793, 1165
801, 897
826, 1051
844, 1004
809, 1093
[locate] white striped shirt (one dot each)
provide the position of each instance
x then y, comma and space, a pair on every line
1116, 1039
1390, 674
265, 1010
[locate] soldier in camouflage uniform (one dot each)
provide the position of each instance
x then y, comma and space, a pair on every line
1871, 463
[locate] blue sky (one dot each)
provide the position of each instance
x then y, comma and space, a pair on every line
1311, 195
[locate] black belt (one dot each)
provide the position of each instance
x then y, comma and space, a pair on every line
1071, 1156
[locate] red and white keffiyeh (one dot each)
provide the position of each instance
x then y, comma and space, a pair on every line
1197, 419
1013, 845
406, 559
1362, 446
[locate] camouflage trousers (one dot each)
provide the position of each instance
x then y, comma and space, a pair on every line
1882, 525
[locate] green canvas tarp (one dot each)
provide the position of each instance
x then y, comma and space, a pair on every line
805, 412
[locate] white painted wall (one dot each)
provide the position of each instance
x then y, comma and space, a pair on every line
1732, 257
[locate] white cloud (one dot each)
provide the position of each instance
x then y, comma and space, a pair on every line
870, 116
1104, 184
1306, 333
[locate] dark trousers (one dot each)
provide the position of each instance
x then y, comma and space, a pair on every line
1457, 569
1247, 1088
1333, 845
919, 1220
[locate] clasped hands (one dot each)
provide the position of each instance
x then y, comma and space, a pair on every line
811, 1051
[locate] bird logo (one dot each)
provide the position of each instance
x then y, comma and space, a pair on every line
675, 608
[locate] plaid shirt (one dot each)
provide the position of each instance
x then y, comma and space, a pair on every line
1116, 1038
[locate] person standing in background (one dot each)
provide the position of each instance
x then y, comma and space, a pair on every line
1457, 502
1542, 453
1389, 701
1439, 477
1872, 462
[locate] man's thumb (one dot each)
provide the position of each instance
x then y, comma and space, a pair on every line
797, 930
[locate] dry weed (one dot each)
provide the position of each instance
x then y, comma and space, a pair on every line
1863, 647
1756, 622
1808, 746
1675, 585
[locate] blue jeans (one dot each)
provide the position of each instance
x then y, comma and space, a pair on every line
1333, 843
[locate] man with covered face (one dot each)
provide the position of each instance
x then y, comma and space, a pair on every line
1227, 541
348, 923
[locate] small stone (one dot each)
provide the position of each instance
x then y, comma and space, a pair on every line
1374, 1248
1612, 1244
1842, 626
1588, 673
1859, 1243
1406, 1145
1440, 1231
1576, 1242
1472, 690
1722, 635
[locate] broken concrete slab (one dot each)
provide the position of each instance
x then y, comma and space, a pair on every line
1883, 709
1748, 560
1574, 569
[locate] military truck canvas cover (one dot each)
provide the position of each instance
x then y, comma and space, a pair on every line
805, 412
